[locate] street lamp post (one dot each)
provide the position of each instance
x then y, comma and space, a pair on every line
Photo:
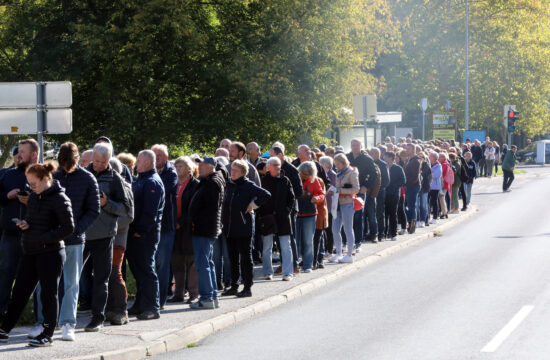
466, 104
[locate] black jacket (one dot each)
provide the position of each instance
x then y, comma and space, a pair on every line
12, 208
426, 172
412, 171
183, 244
397, 180
364, 163
237, 223
384, 173
477, 153
274, 215
294, 176
148, 203
81, 187
50, 220
169, 179
205, 209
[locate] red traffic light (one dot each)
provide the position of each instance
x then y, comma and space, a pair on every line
511, 114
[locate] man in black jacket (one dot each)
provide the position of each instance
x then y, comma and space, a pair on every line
304, 154
12, 187
144, 233
205, 212
82, 189
381, 198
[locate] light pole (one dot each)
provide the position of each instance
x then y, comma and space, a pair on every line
466, 104
424, 107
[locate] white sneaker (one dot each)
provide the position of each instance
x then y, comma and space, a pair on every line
420, 225
288, 277
35, 331
335, 258
68, 332
433, 221
346, 260
268, 277
402, 231
394, 238
357, 250
307, 271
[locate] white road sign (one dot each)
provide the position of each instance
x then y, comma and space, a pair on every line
58, 94
24, 121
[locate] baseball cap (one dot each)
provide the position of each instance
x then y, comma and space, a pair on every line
207, 159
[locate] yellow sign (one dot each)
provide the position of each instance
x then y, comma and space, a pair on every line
14, 129
445, 134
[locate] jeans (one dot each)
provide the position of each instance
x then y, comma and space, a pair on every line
305, 228
163, 259
286, 254
45, 268
345, 217
381, 212
508, 179
422, 207
221, 261
101, 252
411, 193
71, 279
10, 255
240, 257
293, 245
140, 252
206, 271
118, 296
468, 191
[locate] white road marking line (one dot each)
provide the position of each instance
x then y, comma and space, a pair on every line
499, 338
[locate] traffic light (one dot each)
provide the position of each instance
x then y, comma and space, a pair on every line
512, 117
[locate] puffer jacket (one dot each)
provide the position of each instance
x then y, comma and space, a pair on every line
237, 222
426, 172
50, 219
347, 183
205, 209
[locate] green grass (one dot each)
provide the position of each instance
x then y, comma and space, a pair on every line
516, 171
192, 345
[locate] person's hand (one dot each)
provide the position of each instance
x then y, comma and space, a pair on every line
102, 199
249, 209
23, 225
363, 190
13, 194
314, 199
23, 199
178, 226
137, 235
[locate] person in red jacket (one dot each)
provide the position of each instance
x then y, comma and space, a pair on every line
314, 193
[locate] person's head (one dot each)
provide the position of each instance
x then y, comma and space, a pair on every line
356, 146
341, 162
375, 153
389, 147
237, 151
207, 165
277, 152
329, 151
185, 167
443, 157
307, 170
514, 148
279, 145
274, 166
304, 153
101, 156
467, 156
389, 157
86, 158
127, 159
222, 152
39, 177
28, 151
489, 144
421, 156
477, 143
15, 156
253, 150
433, 157
411, 150
262, 168
225, 143
222, 160
105, 140
161, 155
403, 156
326, 162
145, 161
239, 169
116, 164
68, 157
452, 157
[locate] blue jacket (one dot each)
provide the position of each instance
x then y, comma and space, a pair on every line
385, 175
169, 178
148, 203
397, 180
12, 179
437, 171
81, 187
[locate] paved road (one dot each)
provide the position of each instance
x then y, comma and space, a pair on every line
481, 286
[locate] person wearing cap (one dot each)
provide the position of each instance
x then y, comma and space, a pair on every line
205, 214
144, 237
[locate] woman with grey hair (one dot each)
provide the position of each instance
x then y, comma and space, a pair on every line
328, 163
314, 193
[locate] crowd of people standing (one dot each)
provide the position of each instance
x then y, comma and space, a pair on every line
192, 229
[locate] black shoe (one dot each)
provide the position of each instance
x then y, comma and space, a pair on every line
245, 293
119, 319
232, 291
176, 299
412, 227
148, 315
41, 340
320, 266
134, 311
95, 325
464, 208
4, 337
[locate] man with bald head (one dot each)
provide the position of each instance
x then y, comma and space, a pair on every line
254, 153
225, 143
304, 154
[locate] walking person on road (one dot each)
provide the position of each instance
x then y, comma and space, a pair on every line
508, 166
48, 221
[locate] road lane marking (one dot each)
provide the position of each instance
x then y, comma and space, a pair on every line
499, 338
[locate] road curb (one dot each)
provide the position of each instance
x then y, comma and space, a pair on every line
190, 335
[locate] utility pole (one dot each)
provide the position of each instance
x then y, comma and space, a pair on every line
466, 103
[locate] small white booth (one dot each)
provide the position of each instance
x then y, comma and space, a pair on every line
543, 152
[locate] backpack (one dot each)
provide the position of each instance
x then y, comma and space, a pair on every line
449, 176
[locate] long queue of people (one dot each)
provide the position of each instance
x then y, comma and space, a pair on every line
197, 226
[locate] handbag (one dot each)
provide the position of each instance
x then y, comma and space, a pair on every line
358, 203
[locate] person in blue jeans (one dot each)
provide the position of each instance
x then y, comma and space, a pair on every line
412, 185
422, 201
314, 192
205, 211
163, 256
82, 189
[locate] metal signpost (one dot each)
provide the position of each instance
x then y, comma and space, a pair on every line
36, 107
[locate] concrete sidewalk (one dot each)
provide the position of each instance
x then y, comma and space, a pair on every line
180, 326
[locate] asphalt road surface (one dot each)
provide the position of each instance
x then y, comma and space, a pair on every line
479, 291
